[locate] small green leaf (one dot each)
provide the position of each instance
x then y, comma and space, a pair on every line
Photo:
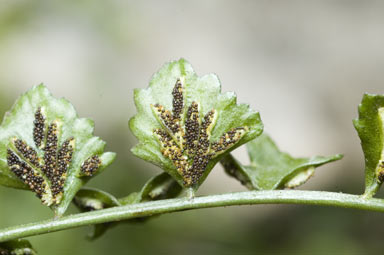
185, 125
46, 148
272, 169
90, 199
370, 127
17, 247
159, 187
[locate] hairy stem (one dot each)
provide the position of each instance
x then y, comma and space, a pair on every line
179, 204
372, 190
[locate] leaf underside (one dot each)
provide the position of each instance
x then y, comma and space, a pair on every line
46, 148
185, 125
370, 127
272, 169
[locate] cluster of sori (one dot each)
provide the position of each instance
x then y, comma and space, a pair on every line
46, 175
185, 136
91, 165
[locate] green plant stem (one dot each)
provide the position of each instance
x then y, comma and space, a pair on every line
372, 190
179, 204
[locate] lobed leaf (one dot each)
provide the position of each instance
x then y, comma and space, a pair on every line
272, 169
185, 125
46, 148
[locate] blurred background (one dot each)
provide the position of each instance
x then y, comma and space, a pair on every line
303, 64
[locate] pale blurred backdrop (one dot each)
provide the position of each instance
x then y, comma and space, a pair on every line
303, 64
